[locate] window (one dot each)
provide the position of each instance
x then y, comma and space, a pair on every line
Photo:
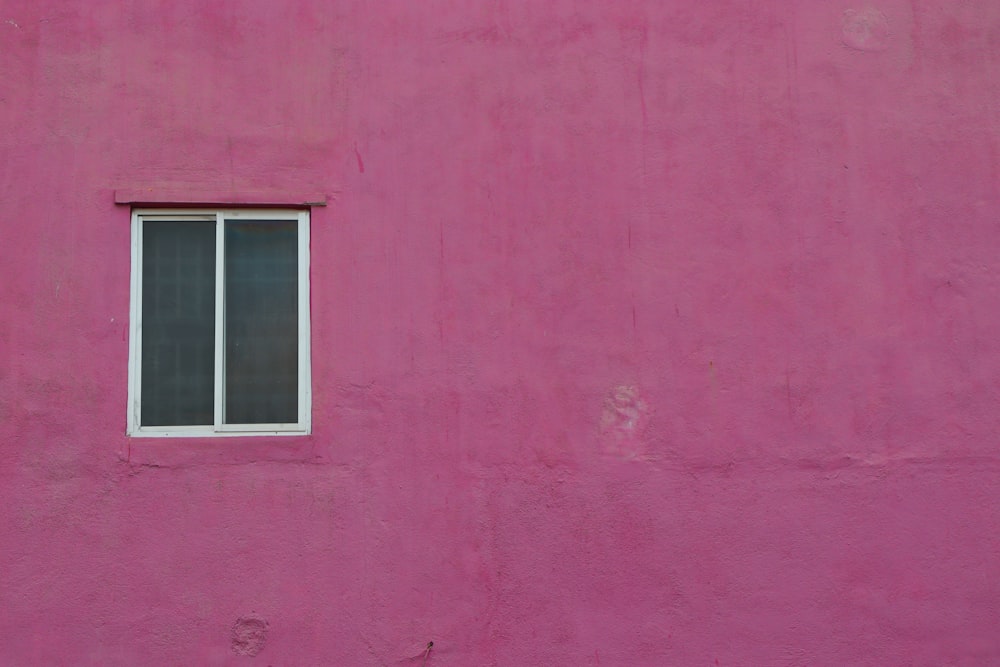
220, 323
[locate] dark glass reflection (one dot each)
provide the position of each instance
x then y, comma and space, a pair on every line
261, 312
178, 323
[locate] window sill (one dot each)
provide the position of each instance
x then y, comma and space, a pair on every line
197, 432
192, 451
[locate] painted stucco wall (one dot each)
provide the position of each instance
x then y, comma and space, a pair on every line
645, 333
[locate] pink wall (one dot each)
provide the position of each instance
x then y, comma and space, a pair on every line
645, 333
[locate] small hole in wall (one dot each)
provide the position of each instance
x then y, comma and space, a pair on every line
249, 635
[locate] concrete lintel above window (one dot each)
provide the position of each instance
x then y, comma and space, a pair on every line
156, 197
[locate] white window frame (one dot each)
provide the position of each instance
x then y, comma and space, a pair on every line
218, 429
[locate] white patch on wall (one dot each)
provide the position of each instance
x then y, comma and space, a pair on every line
623, 422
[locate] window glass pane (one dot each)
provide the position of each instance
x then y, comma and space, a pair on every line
178, 323
262, 337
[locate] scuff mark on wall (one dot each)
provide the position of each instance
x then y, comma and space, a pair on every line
866, 29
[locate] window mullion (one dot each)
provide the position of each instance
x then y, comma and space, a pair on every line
220, 324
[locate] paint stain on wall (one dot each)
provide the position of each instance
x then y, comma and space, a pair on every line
361, 162
249, 635
623, 421
866, 29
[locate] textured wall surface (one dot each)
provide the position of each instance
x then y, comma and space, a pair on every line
645, 333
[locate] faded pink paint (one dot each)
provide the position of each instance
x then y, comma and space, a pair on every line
645, 333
